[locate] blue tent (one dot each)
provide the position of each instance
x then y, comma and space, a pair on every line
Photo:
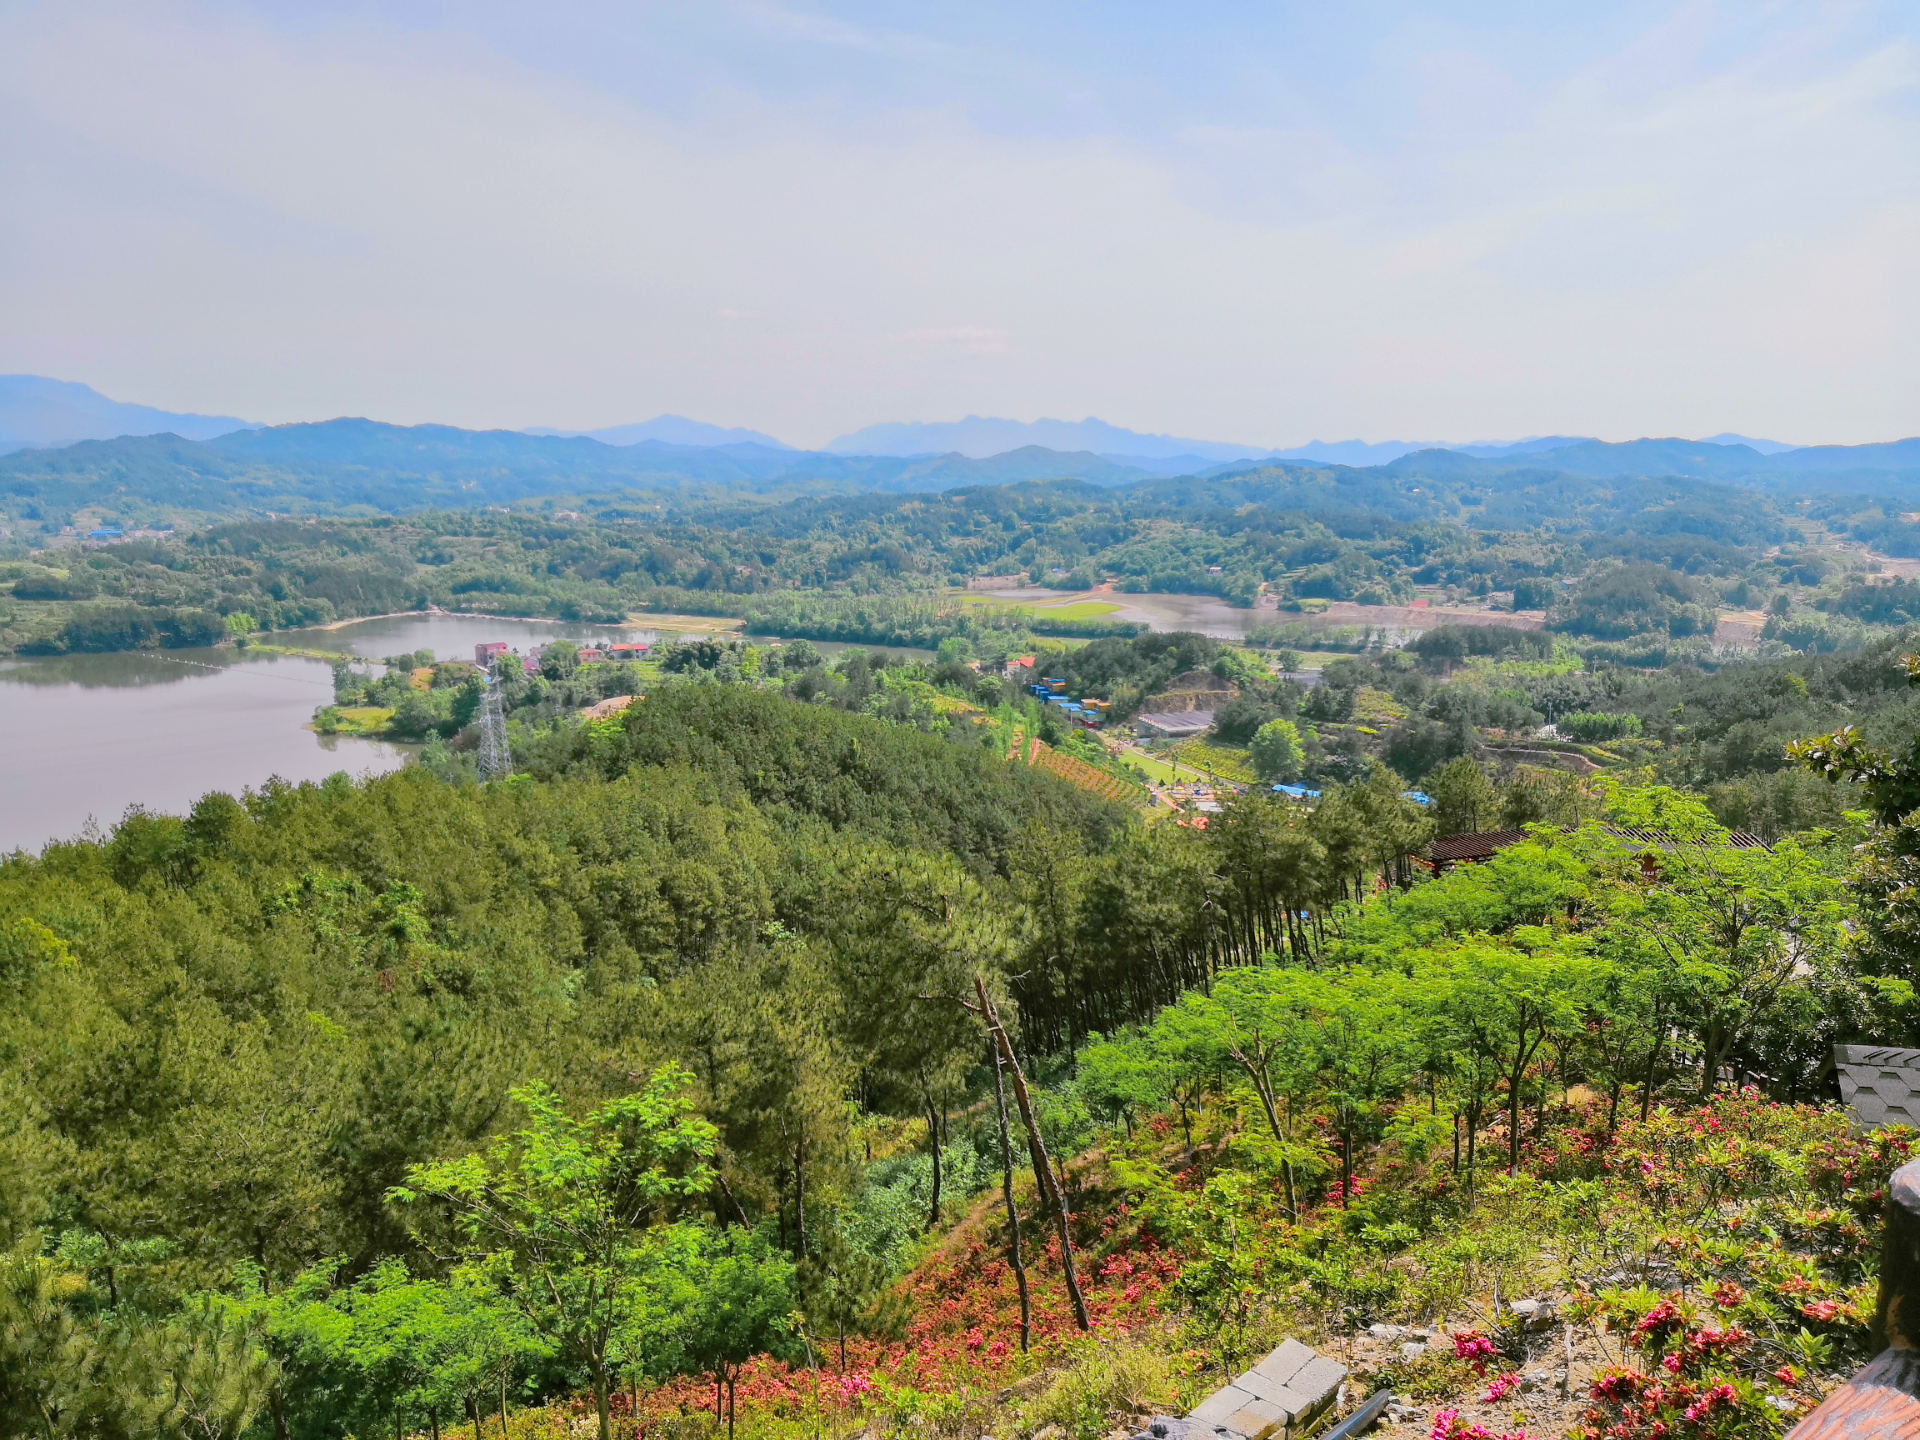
1416, 797
1296, 792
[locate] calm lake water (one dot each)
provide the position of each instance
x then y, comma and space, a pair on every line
84, 737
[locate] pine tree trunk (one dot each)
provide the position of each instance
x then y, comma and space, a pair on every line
933, 1143
1043, 1168
1013, 1211
800, 1194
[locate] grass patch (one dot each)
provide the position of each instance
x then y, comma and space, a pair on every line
1077, 610
1155, 769
1225, 761
1107, 1378
354, 720
250, 647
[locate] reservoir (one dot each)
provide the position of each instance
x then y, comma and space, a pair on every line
83, 737
86, 736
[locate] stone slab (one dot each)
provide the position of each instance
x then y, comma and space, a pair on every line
1283, 1363
1259, 1421
1257, 1385
1225, 1401
1319, 1377
1275, 1400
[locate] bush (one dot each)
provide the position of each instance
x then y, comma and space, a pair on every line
1588, 726
53, 587
1276, 751
1239, 720
1418, 746
1457, 642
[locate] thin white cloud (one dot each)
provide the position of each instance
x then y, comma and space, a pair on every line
215, 214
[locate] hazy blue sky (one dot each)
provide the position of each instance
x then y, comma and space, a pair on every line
1264, 223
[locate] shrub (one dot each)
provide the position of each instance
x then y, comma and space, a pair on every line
1591, 725
1276, 751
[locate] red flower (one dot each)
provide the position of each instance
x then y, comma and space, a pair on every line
1475, 1349
1501, 1388
1721, 1396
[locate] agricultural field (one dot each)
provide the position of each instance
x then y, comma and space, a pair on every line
1203, 757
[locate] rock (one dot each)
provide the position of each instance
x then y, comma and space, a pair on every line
1413, 1349
1535, 1314
1386, 1332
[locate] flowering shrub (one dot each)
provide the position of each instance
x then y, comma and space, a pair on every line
1712, 1386
1474, 1348
1450, 1425
1755, 1224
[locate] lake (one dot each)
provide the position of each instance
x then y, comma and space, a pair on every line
83, 737
86, 736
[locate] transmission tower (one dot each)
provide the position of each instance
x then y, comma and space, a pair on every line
495, 759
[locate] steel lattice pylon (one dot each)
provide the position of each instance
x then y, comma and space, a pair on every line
495, 759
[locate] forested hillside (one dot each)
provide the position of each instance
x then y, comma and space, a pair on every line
1637, 566
302, 1088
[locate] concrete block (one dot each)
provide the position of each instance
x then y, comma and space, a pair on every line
1227, 1400
1274, 1393
1319, 1379
1276, 1399
1282, 1364
1259, 1420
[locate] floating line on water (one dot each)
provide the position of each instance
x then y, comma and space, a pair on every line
223, 669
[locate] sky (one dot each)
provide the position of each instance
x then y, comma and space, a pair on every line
1261, 223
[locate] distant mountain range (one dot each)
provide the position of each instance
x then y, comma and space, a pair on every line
981, 436
37, 411
341, 464
673, 430
218, 464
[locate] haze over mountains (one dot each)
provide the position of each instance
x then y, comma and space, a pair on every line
41, 412
669, 429
35, 410
158, 463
